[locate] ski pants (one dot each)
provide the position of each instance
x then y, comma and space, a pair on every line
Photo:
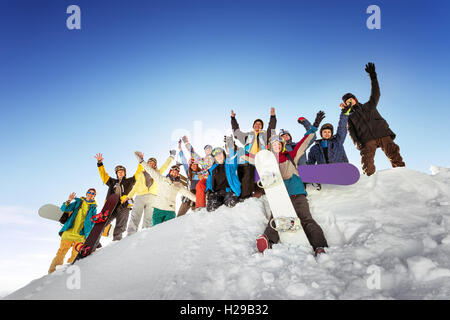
64, 247
246, 174
143, 204
186, 204
121, 214
200, 197
159, 216
389, 147
312, 230
216, 199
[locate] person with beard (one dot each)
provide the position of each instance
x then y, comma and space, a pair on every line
368, 129
121, 185
168, 189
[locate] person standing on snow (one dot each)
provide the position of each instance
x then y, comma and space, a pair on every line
77, 227
253, 142
223, 185
146, 191
297, 193
168, 189
195, 174
121, 185
206, 163
330, 149
368, 129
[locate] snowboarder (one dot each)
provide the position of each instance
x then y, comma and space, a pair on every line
368, 129
294, 185
77, 228
120, 185
146, 191
168, 188
195, 174
206, 163
223, 185
330, 149
253, 141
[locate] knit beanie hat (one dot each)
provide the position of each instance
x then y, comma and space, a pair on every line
347, 96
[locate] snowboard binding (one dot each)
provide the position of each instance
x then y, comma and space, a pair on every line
268, 180
286, 224
101, 217
85, 250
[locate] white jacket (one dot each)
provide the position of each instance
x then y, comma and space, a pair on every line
167, 189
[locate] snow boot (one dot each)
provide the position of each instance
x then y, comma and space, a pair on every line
262, 243
319, 251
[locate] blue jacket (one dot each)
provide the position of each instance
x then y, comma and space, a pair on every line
74, 207
335, 146
231, 165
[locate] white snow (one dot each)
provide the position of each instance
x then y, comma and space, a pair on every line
388, 236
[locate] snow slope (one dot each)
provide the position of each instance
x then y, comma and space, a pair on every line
388, 236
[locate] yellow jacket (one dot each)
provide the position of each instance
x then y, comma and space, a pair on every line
73, 234
140, 188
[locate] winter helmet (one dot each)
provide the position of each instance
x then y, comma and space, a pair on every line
325, 126
347, 96
217, 150
278, 138
120, 167
207, 146
152, 159
283, 132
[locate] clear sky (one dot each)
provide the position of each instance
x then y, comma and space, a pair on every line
139, 73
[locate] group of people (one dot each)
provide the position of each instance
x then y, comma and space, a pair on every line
226, 176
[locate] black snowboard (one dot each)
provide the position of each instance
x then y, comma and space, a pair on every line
93, 239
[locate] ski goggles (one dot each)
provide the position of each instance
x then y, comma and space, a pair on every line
217, 151
90, 192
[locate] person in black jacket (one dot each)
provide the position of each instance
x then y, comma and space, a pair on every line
120, 185
368, 129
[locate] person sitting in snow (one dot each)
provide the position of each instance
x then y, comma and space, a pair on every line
77, 227
330, 149
223, 185
294, 185
368, 129
168, 189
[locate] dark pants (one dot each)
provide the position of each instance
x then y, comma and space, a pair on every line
121, 215
186, 204
246, 174
389, 147
312, 230
219, 198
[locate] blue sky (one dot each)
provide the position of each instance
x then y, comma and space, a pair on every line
138, 71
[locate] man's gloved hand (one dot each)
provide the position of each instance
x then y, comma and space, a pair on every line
319, 117
301, 119
173, 153
370, 68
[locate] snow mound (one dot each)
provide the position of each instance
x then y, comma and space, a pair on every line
388, 237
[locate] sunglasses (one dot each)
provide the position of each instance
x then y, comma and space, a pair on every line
90, 192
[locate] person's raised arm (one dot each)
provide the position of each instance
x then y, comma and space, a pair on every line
152, 172
375, 91
101, 168
238, 134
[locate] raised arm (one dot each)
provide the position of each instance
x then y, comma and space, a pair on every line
375, 92
152, 172
101, 168
342, 128
301, 146
238, 134
272, 124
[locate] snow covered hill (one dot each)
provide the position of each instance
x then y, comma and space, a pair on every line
388, 235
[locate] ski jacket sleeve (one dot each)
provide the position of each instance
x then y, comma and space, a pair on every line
272, 126
165, 165
184, 161
103, 175
354, 136
342, 128
311, 157
303, 144
238, 134
185, 192
375, 92
136, 185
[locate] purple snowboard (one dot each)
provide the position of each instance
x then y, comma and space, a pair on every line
343, 174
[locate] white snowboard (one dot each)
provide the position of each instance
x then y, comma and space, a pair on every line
50, 211
279, 200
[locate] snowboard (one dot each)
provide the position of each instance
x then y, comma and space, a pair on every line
50, 211
343, 174
101, 220
285, 220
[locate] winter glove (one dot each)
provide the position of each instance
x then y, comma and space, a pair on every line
173, 153
319, 117
370, 69
301, 119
